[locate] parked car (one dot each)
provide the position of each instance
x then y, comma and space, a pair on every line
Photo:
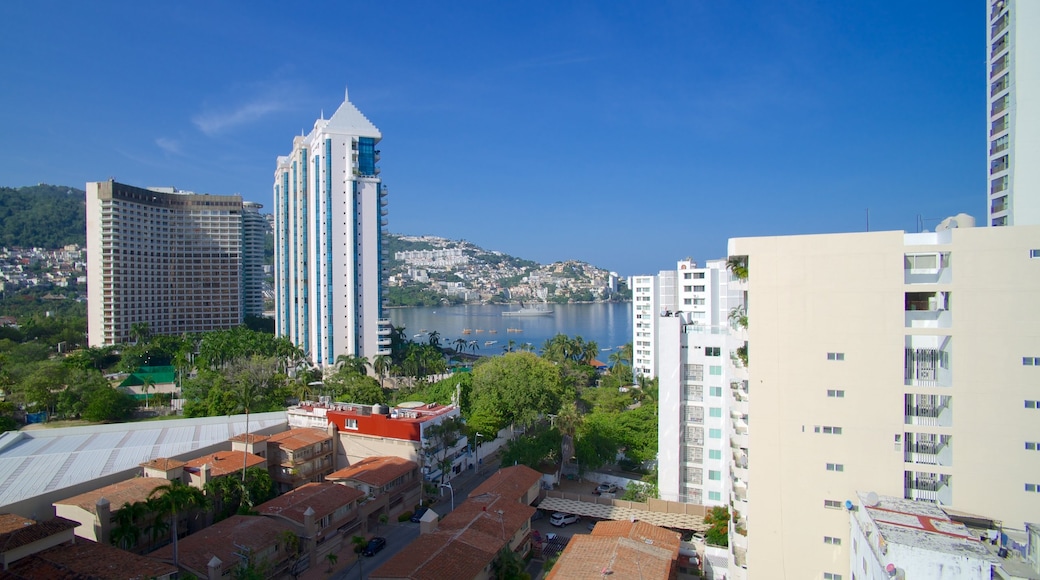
374, 546
560, 519
605, 488
419, 513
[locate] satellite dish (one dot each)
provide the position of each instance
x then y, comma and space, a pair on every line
871, 500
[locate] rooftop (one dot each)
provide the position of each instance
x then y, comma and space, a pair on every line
163, 463
375, 471
224, 540
22, 532
117, 494
601, 555
86, 559
323, 498
45, 460
299, 438
222, 463
922, 525
510, 482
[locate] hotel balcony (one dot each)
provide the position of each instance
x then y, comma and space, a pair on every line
928, 410
927, 268
926, 361
928, 449
739, 435
933, 487
927, 310
740, 465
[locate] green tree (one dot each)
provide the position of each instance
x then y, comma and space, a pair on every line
127, 530
442, 438
519, 387
252, 379
738, 266
172, 500
109, 405
718, 533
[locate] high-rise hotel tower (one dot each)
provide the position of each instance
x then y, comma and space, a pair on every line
330, 208
165, 258
1013, 111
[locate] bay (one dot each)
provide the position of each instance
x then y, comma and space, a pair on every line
608, 324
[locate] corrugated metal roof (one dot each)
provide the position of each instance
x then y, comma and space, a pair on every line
43, 460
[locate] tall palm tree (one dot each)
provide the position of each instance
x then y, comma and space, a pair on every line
381, 364
738, 266
251, 379
460, 344
435, 339
139, 332
172, 500
126, 531
149, 383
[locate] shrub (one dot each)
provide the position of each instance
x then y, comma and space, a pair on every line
404, 517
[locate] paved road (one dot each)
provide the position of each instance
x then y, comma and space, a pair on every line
398, 536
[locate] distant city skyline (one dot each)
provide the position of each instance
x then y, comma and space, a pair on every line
627, 136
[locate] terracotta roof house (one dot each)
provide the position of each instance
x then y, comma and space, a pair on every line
22, 537
86, 559
322, 513
202, 469
518, 483
214, 551
299, 456
467, 543
163, 467
95, 510
392, 484
620, 549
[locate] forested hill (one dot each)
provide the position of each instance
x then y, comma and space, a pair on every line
42, 216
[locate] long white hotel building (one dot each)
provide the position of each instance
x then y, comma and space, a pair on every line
330, 208
903, 364
1013, 111
166, 258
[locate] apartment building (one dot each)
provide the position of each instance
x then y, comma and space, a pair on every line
169, 259
330, 211
1013, 112
687, 334
254, 231
900, 364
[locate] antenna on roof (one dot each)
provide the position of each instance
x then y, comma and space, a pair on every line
346, 94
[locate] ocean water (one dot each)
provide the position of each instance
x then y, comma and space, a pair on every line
608, 324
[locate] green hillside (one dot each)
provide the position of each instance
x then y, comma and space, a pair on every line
42, 216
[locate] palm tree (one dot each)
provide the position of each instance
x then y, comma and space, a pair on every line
172, 500
738, 266
460, 344
149, 383
359, 546
126, 532
381, 364
251, 379
435, 339
139, 331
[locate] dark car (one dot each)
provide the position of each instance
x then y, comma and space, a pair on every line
417, 516
374, 545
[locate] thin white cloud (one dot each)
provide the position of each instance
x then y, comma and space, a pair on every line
217, 121
168, 145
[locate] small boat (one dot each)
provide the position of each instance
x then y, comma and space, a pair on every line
514, 330
492, 331
467, 331
537, 310
479, 330
489, 342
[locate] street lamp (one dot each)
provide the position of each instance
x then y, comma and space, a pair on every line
452, 490
476, 448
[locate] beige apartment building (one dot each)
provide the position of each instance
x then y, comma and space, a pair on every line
903, 364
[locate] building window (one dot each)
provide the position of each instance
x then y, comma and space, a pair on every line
835, 356
714, 433
712, 351
687, 302
1032, 445
827, 430
715, 391
1034, 253
835, 467
715, 412
714, 475
698, 275
686, 276
687, 288
715, 370
831, 576
1031, 487
1031, 361
714, 496
717, 453
832, 540
350, 423
836, 393
832, 504
1032, 405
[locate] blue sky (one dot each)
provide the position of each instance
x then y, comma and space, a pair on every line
624, 134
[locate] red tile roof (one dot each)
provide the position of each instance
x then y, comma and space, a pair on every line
117, 494
12, 522
222, 463
222, 540
323, 498
621, 549
510, 482
17, 536
86, 559
163, 464
249, 438
375, 471
294, 439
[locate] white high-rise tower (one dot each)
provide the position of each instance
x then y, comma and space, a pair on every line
329, 207
1013, 110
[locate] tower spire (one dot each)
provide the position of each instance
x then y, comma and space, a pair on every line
346, 94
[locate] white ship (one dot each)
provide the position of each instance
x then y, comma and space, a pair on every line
539, 310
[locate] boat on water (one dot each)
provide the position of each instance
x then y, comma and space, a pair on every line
467, 331
489, 342
514, 330
537, 310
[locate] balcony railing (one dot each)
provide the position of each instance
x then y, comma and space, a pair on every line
998, 67
999, 25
